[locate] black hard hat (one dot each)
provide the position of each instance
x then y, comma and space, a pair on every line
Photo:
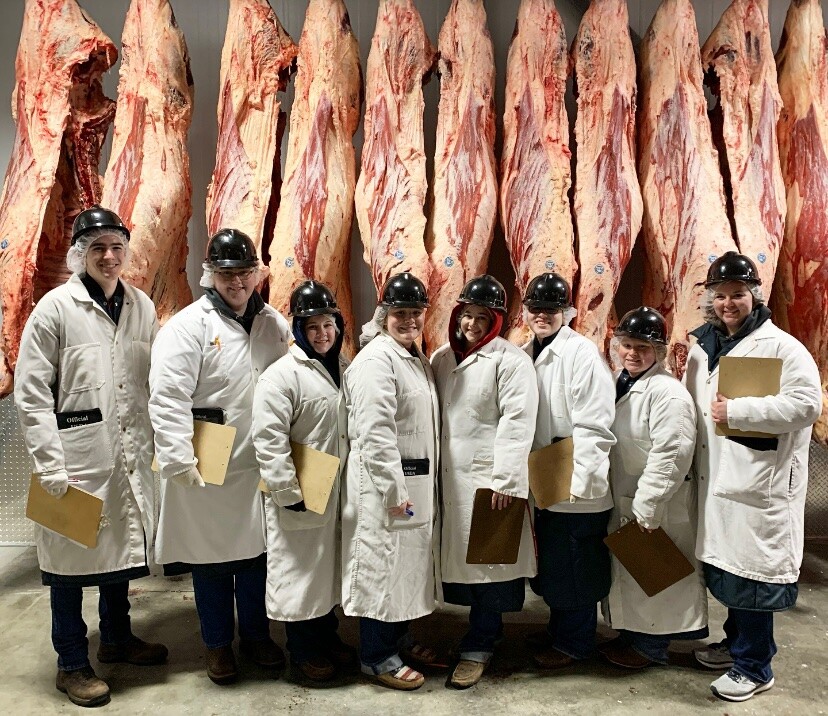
231, 248
311, 298
643, 324
731, 266
549, 290
485, 291
96, 217
404, 290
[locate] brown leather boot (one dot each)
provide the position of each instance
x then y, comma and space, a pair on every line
221, 665
265, 652
342, 654
83, 687
317, 668
135, 651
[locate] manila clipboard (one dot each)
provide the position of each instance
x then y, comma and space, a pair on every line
76, 515
550, 473
651, 558
748, 378
212, 445
494, 537
316, 472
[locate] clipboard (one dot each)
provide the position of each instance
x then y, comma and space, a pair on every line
550, 473
651, 558
212, 445
748, 378
316, 472
494, 537
76, 515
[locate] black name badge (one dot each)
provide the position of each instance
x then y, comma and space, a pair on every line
209, 415
77, 418
416, 466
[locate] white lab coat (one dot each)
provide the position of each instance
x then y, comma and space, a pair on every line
73, 357
655, 428
390, 566
202, 359
577, 399
488, 406
752, 503
296, 400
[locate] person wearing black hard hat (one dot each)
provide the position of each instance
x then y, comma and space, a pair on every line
751, 489
390, 527
488, 402
655, 430
81, 394
205, 364
575, 403
297, 401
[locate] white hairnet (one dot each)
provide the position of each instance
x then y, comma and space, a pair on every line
76, 256
374, 327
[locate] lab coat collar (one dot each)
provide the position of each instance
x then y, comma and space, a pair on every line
403, 352
78, 291
296, 351
556, 347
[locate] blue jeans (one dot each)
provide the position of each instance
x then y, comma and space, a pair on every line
573, 630
652, 646
69, 628
749, 636
311, 637
379, 645
214, 602
486, 627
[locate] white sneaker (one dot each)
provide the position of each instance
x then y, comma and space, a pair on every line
734, 686
714, 656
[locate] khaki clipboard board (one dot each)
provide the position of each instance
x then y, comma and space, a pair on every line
748, 378
550, 473
316, 472
651, 558
76, 515
494, 537
212, 446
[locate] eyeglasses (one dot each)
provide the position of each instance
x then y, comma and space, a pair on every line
230, 275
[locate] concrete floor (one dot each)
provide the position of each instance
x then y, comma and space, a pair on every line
163, 610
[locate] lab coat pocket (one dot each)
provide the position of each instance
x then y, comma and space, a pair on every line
87, 450
413, 408
745, 475
213, 370
421, 493
481, 471
81, 368
290, 521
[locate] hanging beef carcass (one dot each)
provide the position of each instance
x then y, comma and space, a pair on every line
608, 204
256, 62
685, 223
741, 71
62, 118
464, 195
312, 238
391, 189
535, 172
147, 182
800, 294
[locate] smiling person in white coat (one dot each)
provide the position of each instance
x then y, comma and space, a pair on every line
655, 429
390, 517
488, 404
751, 490
81, 395
297, 400
206, 361
576, 400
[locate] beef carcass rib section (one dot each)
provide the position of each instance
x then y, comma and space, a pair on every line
147, 182
61, 117
741, 71
685, 224
800, 294
464, 193
256, 61
312, 238
535, 163
608, 205
391, 189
